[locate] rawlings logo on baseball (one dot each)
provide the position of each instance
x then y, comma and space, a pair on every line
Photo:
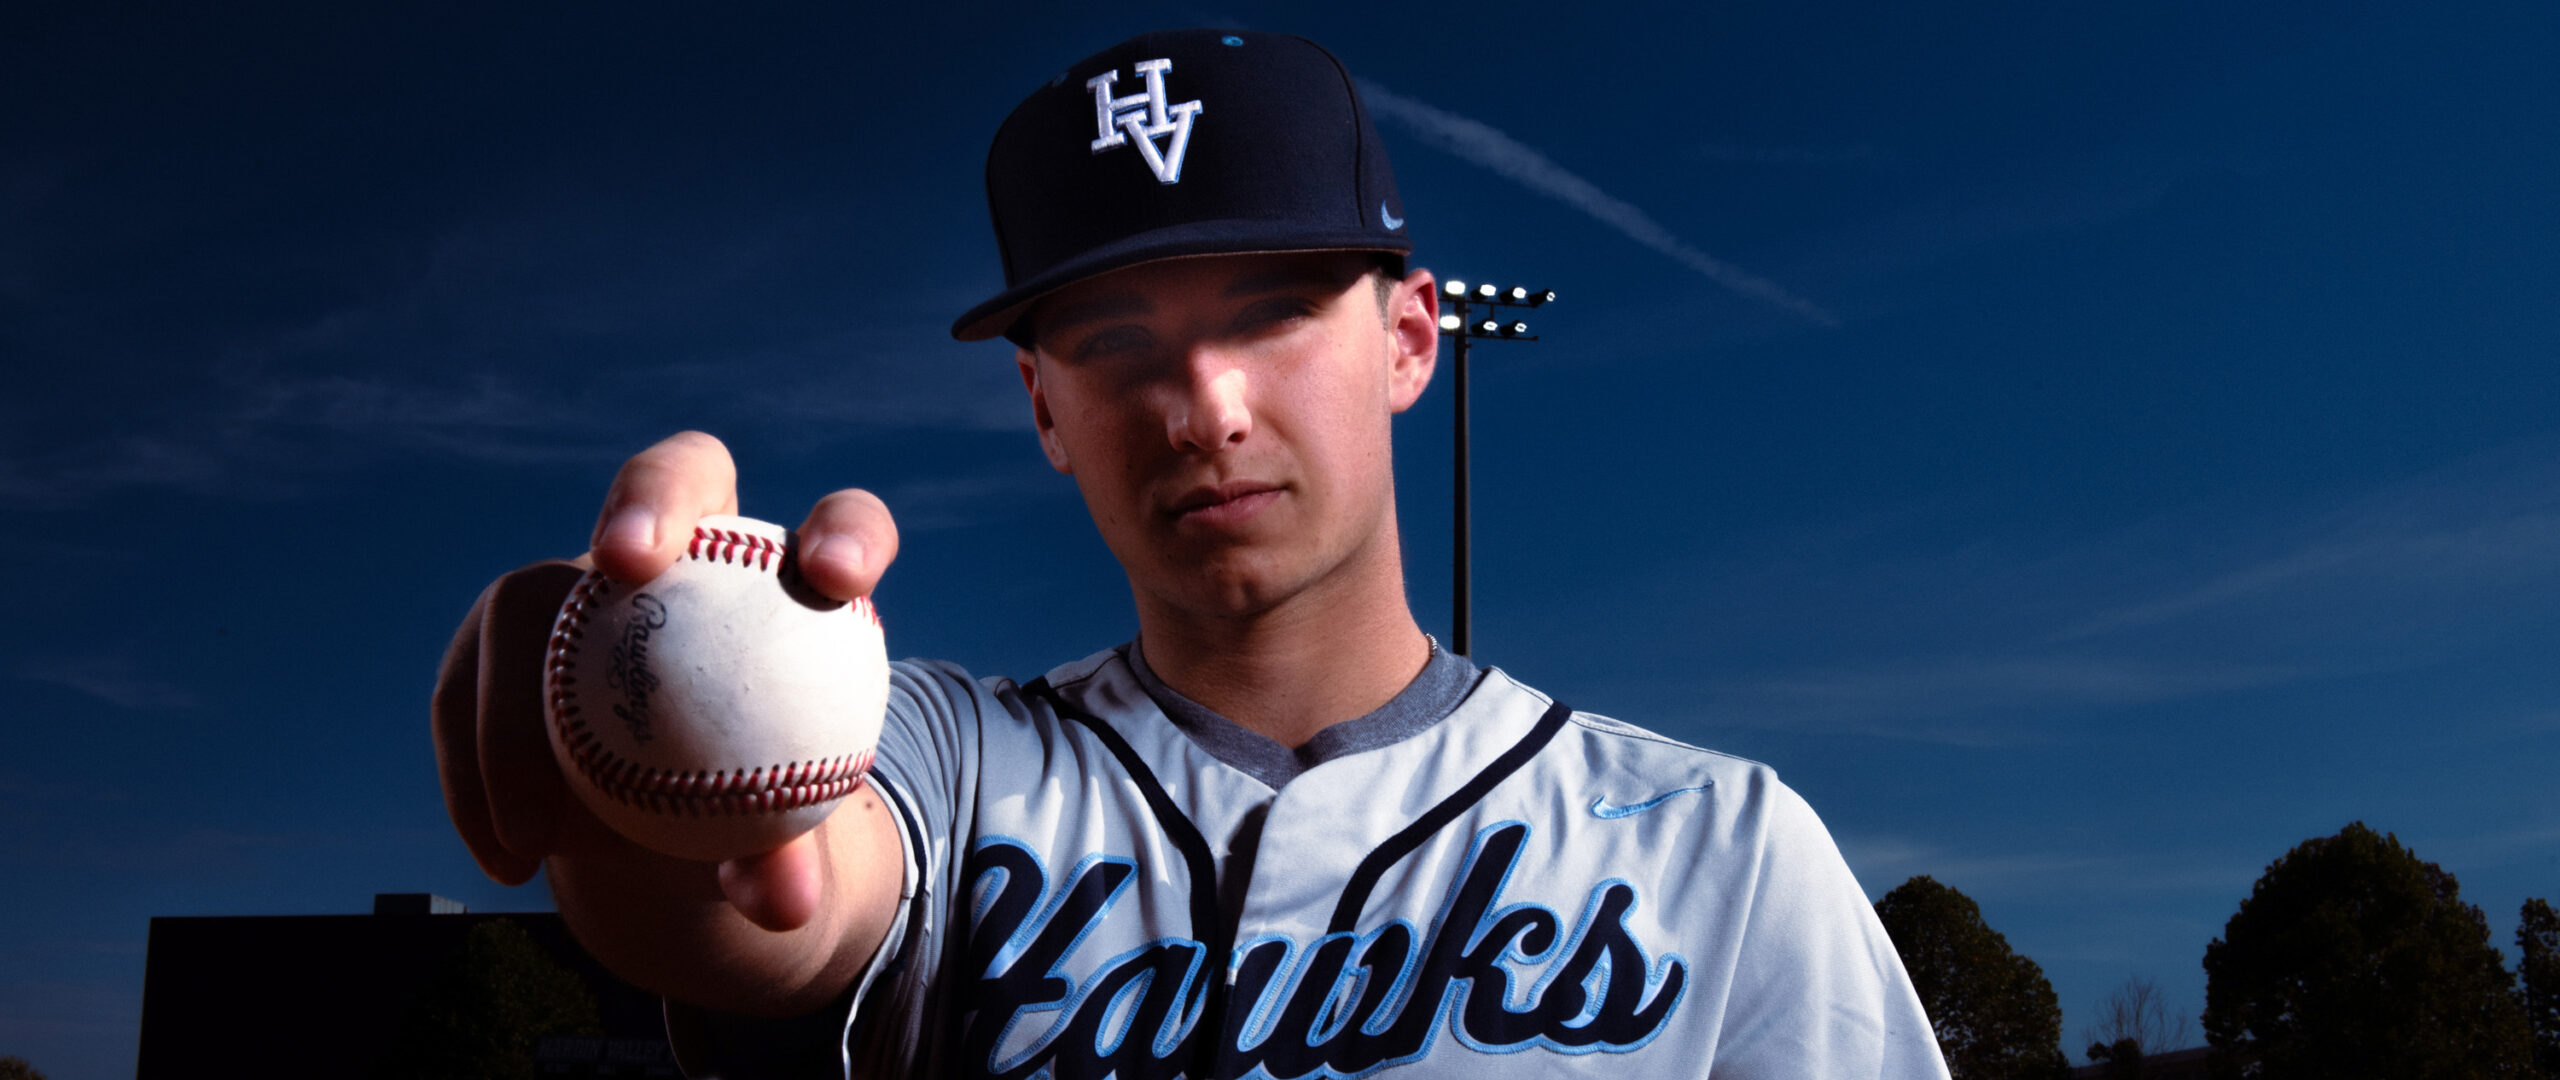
629, 670
743, 706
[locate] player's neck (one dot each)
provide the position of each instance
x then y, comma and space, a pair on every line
1336, 651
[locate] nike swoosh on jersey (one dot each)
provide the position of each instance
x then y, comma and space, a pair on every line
1600, 807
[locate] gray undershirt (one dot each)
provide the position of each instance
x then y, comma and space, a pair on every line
1446, 679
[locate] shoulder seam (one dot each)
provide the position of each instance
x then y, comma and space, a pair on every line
1079, 680
1623, 730
1119, 653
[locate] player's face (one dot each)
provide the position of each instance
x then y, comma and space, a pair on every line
1227, 419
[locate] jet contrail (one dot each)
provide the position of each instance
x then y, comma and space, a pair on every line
1482, 144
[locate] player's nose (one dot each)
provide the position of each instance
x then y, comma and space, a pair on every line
1209, 410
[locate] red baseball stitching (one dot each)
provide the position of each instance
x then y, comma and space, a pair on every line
701, 792
733, 547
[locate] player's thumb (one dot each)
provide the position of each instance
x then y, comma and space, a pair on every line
777, 890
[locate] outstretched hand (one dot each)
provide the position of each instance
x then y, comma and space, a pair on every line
501, 786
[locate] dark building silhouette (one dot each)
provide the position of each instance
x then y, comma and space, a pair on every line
326, 995
2185, 1064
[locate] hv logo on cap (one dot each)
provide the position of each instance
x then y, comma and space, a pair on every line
1144, 118
1291, 163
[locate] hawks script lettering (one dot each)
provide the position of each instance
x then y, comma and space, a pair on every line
1502, 977
627, 666
1144, 118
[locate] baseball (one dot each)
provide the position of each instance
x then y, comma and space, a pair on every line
723, 707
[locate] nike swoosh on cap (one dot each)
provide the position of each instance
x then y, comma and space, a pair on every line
1393, 222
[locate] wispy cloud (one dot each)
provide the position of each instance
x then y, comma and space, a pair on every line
1487, 146
1935, 216
2535, 722
2471, 554
478, 415
2533, 843
1741, 154
1993, 643
1973, 701
1884, 861
544, 336
85, 947
956, 501
54, 1010
170, 853
910, 376
116, 678
262, 435
57, 472
263, 439
2470, 539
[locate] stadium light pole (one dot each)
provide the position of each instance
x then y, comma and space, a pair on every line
1474, 313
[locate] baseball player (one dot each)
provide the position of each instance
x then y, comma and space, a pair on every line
1281, 833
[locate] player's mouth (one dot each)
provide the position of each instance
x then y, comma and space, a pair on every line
1224, 506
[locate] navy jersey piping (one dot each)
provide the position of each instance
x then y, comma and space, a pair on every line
908, 823
1217, 933
1355, 895
866, 1020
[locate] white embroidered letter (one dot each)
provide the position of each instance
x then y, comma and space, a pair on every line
1145, 118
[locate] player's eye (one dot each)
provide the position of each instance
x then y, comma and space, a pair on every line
1274, 311
1112, 343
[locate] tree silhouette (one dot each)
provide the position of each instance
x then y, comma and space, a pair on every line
13, 1067
2352, 958
1994, 1013
485, 1008
2538, 967
2132, 1023
2138, 1011
2122, 1058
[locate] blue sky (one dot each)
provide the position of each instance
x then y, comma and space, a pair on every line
2086, 451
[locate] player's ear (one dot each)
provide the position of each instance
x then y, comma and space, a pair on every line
1413, 337
1029, 362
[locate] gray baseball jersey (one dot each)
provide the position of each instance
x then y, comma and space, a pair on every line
1516, 890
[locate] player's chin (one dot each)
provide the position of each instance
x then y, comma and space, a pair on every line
1239, 580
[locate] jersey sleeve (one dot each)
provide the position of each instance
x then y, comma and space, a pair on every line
1818, 990
926, 763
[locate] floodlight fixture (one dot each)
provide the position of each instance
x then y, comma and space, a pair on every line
1465, 322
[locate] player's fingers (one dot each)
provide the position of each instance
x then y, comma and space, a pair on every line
454, 718
847, 542
525, 790
777, 890
648, 516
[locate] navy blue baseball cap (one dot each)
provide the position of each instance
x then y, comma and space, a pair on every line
1182, 143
